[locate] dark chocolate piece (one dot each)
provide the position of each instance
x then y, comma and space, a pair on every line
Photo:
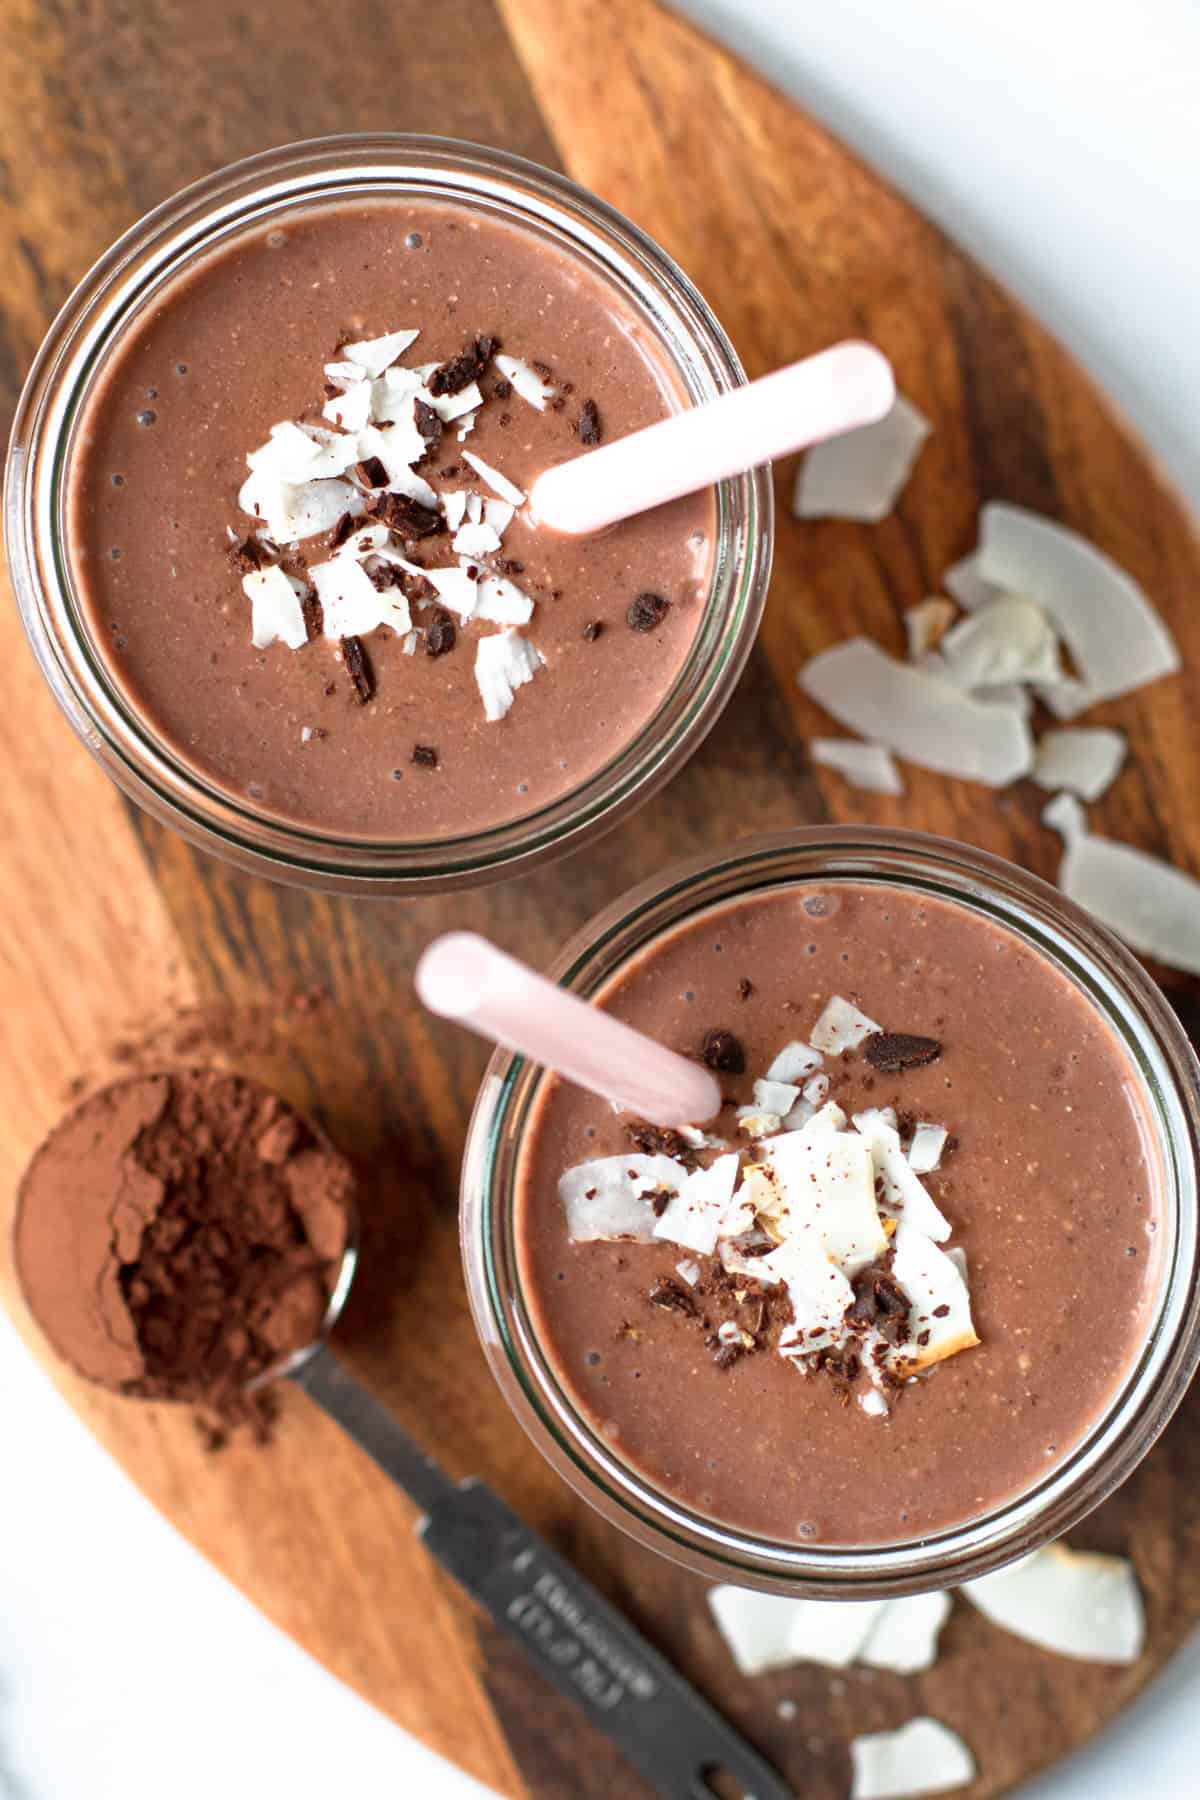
344, 529
440, 633
587, 425
358, 667
660, 1140
453, 376
425, 756
745, 988
892, 1052
592, 630
672, 1296
723, 1052
314, 616
405, 516
429, 425
371, 472
647, 612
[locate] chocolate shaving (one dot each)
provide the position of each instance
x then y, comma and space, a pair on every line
425, 756
879, 1300
358, 667
587, 425
314, 615
386, 576
892, 1052
453, 376
440, 633
592, 630
250, 554
342, 530
728, 1354
660, 1140
503, 390
745, 988
723, 1052
670, 1295
416, 587
429, 425
509, 565
371, 472
406, 516
647, 612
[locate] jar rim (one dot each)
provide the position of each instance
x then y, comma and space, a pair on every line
1142, 1401
172, 238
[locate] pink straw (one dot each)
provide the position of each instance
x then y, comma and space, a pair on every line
463, 977
850, 385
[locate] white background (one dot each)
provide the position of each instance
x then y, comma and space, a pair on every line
1060, 141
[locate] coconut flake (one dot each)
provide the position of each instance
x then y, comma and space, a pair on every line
455, 588
841, 1027
926, 624
816, 1090
454, 505
526, 381
476, 540
819, 1293
932, 1282
738, 1262
923, 1757
866, 766
351, 604
905, 1636
1007, 640
775, 1096
965, 584
276, 615
1076, 1602
350, 409
918, 715
688, 1271
859, 475
794, 1062
612, 1196
293, 511
497, 513
695, 1216
500, 484
343, 374
1154, 907
449, 407
1087, 760
500, 600
873, 1404
769, 1631
374, 355
925, 1150
504, 662
756, 1123
901, 1193
1117, 640
826, 1184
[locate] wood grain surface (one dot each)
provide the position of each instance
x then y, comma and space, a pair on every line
115, 933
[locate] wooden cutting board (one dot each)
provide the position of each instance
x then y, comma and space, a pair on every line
112, 928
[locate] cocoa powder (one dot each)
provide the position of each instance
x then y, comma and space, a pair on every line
179, 1233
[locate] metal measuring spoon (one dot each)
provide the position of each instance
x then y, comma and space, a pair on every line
579, 1642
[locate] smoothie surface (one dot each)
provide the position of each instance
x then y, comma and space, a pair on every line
1050, 1182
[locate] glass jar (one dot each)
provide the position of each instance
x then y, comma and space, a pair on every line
1160, 1061
266, 190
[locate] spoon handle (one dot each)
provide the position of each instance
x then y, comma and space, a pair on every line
580, 1643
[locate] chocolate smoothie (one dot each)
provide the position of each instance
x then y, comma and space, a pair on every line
953, 1049
458, 667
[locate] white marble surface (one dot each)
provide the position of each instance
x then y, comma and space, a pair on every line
1059, 140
